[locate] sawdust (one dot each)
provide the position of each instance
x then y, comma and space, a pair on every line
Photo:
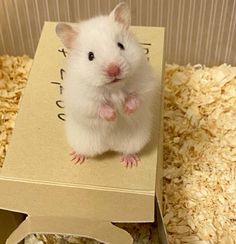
199, 151
200, 154
14, 73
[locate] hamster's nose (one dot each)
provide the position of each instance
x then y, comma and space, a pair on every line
113, 70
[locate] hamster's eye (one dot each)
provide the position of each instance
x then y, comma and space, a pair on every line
121, 46
91, 56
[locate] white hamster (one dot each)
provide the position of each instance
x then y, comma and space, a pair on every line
109, 88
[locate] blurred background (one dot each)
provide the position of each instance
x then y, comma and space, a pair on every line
197, 31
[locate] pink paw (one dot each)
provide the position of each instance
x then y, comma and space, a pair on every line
77, 158
107, 112
131, 104
130, 160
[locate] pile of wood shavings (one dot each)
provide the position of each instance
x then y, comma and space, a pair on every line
14, 73
200, 154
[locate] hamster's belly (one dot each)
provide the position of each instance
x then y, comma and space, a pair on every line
94, 136
121, 125
124, 128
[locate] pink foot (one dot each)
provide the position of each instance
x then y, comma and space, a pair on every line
130, 160
131, 104
107, 112
77, 158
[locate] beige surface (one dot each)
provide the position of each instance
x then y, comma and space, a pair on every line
38, 178
197, 31
40, 199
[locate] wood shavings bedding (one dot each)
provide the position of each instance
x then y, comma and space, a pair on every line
14, 73
199, 151
200, 154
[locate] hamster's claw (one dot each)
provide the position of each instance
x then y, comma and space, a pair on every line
130, 160
131, 104
77, 158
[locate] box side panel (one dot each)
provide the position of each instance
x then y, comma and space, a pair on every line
102, 231
159, 172
39, 199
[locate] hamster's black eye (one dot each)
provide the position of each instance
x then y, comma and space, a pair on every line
91, 56
121, 46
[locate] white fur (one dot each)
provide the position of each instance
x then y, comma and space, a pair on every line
87, 86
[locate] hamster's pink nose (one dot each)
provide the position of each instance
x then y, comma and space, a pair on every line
113, 70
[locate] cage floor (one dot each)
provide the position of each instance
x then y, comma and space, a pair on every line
199, 151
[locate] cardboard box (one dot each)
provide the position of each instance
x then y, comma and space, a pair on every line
38, 178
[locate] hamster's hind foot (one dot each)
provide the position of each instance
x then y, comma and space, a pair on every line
130, 160
77, 158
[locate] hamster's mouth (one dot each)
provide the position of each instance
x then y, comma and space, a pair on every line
115, 80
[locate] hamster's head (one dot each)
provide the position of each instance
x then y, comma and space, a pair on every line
103, 50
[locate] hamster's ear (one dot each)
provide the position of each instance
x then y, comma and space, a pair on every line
67, 34
121, 14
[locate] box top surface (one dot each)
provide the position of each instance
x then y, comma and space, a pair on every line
38, 150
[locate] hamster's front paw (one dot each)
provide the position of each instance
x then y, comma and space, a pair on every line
107, 112
131, 104
77, 158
